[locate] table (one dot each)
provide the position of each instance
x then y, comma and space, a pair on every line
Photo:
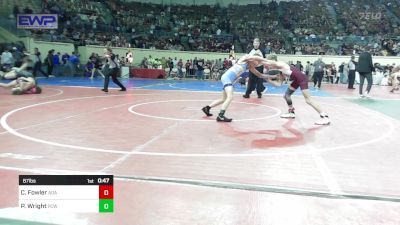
147, 73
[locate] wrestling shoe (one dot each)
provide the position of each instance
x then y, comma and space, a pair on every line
323, 121
206, 110
289, 115
223, 119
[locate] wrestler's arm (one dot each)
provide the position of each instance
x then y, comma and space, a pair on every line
236, 80
23, 67
10, 75
13, 73
258, 74
275, 64
26, 79
276, 84
254, 58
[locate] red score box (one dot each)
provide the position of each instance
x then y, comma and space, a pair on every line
106, 192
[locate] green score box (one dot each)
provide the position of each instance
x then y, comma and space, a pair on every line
106, 205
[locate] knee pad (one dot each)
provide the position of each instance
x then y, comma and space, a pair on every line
287, 95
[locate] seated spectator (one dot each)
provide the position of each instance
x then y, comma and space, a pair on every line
144, 63
88, 69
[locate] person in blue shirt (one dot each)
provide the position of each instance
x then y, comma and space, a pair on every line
73, 63
56, 64
88, 69
65, 58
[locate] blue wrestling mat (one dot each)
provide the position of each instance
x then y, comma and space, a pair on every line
156, 84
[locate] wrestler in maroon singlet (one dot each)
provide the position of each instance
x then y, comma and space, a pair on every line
299, 78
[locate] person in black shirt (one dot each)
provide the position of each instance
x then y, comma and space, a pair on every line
37, 66
48, 61
113, 71
200, 69
254, 81
365, 67
341, 73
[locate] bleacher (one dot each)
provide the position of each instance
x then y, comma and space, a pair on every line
285, 25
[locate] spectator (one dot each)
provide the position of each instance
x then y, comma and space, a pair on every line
365, 67
180, 66
200, 69
163, 62
170, 65
65, 58
49, 62
311, 25
187, 65
352, 72
129, 57
341, 73
308, 67
37, 63
17, 56
191, 68
73, 64
144, 63
6, 60
57, 67
15, 11
299, 66
96, 64
319, 66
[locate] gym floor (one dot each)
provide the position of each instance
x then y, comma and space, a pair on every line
172, 165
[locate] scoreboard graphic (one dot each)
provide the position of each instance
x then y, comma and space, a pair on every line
73, 193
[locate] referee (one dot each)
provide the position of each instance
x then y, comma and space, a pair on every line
114, 69
254, 81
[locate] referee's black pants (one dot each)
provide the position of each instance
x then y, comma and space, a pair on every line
254, 83
352, 78
113, 73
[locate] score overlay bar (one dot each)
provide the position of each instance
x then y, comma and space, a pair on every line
72, 193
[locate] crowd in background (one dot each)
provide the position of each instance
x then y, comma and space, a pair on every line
314, 27
54, 63
337, 27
